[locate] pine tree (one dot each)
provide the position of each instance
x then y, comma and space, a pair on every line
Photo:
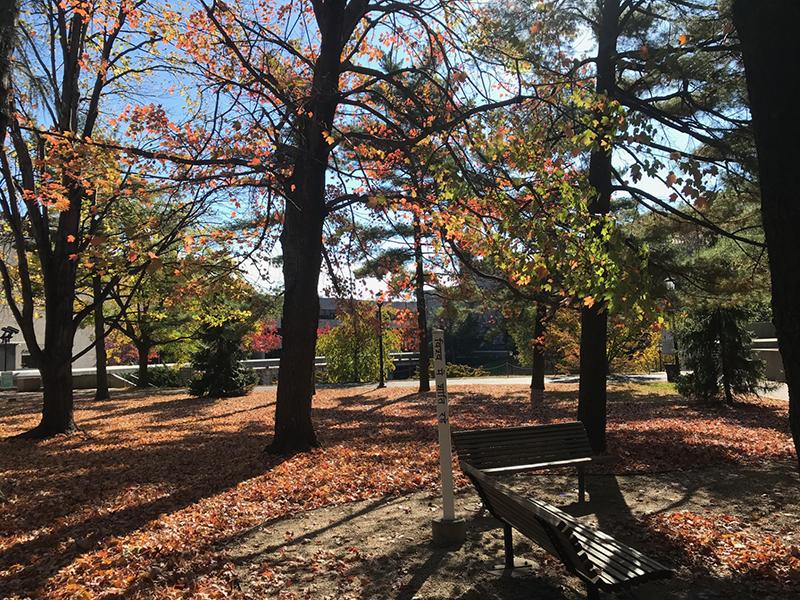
717, 349
220, 373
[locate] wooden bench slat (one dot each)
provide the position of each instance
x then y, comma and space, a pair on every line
527, 442
522, 428
631, 553
519, 468
511, 458
567, 429
609, 561
606, 560
602, 561
467, 440
469, 436
591, 534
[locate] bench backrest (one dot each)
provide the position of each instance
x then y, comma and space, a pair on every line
545, 524
527, 445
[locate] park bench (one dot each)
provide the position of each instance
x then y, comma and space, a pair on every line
517, 449
599, 560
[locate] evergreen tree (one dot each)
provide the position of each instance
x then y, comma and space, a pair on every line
220, 373
717, 349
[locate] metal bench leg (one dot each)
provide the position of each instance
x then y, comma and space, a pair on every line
592, 592
581, 485
509, 545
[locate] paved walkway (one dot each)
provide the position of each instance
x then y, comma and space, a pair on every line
496, 380
780, 391
526, 380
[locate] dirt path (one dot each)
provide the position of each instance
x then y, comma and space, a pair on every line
381, 548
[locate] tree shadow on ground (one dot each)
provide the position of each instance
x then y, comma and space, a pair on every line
148, 480
614, 510
142, 458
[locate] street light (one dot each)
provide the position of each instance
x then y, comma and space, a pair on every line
5, 338
379, 301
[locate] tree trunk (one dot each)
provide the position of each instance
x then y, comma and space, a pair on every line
724, 356
101, 359
301, 241
537, 371
143, 349
301, 238
55, 367
354, 316
770, 47
593, 370
422, 314
594, 319
8, 18
57, 411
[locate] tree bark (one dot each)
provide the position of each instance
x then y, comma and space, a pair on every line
55, 367
354, 315
101, 358
8, 18
724, 350
422, 312
301, 241
57, 410
594, 319
301, 238
770, 47
537, 370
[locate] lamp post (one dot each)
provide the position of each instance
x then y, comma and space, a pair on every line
5, 338
379, 301
7, 377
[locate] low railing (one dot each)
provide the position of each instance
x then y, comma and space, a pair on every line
122, 375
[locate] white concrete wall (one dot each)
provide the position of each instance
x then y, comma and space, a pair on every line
83, 337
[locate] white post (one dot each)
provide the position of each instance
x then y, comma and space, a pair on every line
443, 418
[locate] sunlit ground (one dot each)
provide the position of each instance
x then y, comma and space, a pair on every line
152, 496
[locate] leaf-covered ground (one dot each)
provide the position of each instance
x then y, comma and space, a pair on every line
144, 501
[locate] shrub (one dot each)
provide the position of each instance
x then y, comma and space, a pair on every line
351, 348
716, 347
454, 370
219, 372
168, 377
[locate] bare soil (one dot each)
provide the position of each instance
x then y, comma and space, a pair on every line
382, 548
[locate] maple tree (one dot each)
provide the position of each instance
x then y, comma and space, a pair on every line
351, 352
299, 81
522, 222
164, 306
265, 338
65, 179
